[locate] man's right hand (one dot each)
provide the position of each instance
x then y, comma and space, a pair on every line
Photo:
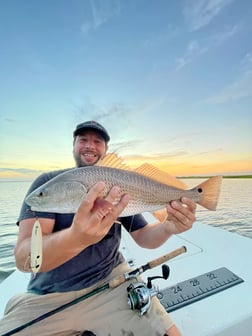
96, 215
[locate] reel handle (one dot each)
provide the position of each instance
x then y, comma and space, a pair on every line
165, 275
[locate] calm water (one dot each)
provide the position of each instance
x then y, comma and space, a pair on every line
234, 213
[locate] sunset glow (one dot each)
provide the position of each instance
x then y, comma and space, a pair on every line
175, 93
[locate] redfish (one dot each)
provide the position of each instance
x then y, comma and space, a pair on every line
150, 189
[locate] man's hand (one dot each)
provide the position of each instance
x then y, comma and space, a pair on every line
181, 215
96, 215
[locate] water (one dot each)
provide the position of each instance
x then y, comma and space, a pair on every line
234, 213
12, 192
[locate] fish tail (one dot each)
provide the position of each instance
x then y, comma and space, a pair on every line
211, 191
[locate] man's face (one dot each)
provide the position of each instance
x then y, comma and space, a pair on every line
89, 147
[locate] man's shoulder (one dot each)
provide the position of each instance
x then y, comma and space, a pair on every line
46, 176
51, 174
54, 173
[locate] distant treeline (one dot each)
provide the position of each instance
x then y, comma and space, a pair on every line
238, 176
227, 176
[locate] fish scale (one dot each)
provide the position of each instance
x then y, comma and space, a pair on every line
64, 193
144, 190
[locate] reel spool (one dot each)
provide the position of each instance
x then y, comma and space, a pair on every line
140, 293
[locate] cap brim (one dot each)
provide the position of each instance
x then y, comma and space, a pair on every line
80, 130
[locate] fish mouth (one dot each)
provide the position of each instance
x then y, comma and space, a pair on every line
30, 200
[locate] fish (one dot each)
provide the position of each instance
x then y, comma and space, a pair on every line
150, 189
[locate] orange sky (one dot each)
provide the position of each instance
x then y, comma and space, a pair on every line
174, 167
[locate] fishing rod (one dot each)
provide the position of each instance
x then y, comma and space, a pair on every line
139, 294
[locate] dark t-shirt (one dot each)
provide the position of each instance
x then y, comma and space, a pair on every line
90, 265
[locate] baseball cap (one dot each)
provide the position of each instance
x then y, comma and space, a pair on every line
92, 125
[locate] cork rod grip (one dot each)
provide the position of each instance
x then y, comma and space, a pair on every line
117, 281
166, 257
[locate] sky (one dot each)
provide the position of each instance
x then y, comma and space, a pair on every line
171, 80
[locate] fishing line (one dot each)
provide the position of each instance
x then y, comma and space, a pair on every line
131, 223
27, 264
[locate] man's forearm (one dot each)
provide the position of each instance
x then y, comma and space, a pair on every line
58, 248
152, 235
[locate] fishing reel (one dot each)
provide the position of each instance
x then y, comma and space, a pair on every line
140, 293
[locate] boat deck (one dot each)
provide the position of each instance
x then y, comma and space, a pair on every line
223, 313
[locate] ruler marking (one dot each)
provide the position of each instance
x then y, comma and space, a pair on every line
197, 288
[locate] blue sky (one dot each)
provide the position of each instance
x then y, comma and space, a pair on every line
170, 80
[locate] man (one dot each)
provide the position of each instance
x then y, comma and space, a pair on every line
80, 252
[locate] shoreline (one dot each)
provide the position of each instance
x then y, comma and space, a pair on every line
29, 179
208, 176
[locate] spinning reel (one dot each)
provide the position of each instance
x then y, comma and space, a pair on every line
140, 293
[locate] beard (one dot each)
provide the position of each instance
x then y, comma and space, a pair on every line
80, 163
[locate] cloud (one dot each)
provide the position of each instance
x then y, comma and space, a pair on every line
156, 156
7, 172
121, 146
102, 11
19, 170
9, 120
226, 34
196, 48
200, 13
241, 88
91, 110
247, 60
193, 50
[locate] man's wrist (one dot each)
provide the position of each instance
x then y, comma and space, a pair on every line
166, 227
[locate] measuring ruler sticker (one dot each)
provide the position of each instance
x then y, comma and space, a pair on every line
197, 288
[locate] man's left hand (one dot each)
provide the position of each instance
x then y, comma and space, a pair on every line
181, 215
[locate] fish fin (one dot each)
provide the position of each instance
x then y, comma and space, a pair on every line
36, 247
161, 215
112, 160
211, 191
158, 175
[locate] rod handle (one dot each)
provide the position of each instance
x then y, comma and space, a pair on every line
156, 262
117, 281
166, 257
